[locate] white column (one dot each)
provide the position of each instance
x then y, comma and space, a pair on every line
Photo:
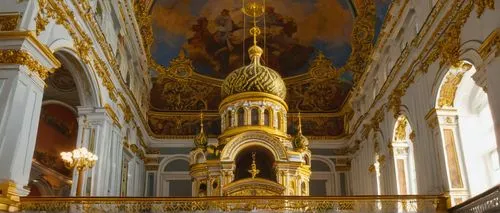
20, 103
103, 138
21, 93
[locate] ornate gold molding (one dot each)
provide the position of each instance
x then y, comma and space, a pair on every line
491, 41
22, 57
449, 44
481, 5
8, 21
449, 89
113, 115
29, 35
400, 131
321, 68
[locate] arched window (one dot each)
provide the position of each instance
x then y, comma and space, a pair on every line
322, 180
174, 178
404, 162
467, 133
280, 120
241, 117
255, 116
266, 117
229, 119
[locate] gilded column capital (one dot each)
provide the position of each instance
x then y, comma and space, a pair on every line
26, 50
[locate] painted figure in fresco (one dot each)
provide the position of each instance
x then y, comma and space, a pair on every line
219, 51
222, 36
224, 28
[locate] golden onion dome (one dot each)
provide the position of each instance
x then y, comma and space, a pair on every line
254, 78
300, 142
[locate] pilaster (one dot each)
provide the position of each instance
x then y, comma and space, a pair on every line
444, 125
24, 65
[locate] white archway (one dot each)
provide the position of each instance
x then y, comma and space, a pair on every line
173, 181
467, 133
324, 176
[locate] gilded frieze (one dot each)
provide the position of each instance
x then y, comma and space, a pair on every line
164, 125
174, 94
317, 95
187, 125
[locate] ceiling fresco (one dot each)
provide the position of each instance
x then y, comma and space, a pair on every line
319, 47
213, 35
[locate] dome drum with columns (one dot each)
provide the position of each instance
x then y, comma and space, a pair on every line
254, 154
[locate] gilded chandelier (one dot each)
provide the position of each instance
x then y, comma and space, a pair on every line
80, 159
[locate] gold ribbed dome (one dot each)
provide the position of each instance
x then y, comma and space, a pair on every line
254, 78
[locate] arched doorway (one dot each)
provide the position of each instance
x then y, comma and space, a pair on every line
264, 161
467, 134
58, 129
404, 163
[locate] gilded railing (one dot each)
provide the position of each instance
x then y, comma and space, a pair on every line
488, 201
407, 203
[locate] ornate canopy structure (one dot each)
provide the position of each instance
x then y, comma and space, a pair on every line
254, 154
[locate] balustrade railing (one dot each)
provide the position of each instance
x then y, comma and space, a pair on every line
361, 204
486, 202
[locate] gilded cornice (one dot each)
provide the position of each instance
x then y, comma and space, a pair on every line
22, 57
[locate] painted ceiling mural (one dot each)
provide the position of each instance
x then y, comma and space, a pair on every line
318, 46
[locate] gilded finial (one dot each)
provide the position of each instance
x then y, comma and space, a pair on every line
300, 141
254, 10
300, 123
253, 169
201, 139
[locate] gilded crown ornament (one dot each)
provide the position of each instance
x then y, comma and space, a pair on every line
201, 139
300, 142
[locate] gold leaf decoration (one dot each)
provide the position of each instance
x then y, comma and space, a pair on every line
22, 57
8, 21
